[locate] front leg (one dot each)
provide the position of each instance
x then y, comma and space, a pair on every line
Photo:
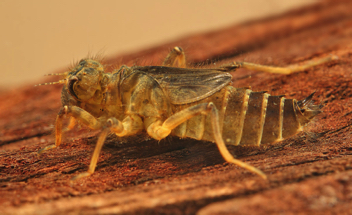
77, 113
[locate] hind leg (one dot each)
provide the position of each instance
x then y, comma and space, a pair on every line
175, 57
282, 70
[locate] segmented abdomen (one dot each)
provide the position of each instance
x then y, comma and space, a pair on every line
251, 118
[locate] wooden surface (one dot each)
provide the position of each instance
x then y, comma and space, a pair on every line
308, 173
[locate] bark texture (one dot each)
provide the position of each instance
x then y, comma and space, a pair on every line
308, 173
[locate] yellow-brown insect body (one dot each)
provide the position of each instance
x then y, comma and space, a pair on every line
164, 100
246, 117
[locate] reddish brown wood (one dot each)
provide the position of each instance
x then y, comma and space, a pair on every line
308, 173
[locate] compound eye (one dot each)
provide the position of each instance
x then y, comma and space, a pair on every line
71, 81
89, 70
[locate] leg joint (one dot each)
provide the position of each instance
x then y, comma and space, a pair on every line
64, 110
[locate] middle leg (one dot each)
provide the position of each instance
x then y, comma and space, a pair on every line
129, 126
159, 130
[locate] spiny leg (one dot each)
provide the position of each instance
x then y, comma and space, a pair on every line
94, 160
72, 123
222, 147
129, 126
159, 130
58, 131
284, 70
175, 56
76, 113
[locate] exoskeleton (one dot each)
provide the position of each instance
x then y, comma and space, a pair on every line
168, 100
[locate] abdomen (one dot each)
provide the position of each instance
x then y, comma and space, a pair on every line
250, 118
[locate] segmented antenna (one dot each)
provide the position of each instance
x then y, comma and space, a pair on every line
52, 74
57, 82
50, 83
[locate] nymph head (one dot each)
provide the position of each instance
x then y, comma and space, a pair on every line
84, 80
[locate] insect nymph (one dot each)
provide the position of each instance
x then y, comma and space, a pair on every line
193, 103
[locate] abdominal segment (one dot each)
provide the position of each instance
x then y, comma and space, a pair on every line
251, 118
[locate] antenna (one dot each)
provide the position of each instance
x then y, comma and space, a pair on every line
50, 83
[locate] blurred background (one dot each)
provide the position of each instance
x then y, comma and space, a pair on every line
39, 36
